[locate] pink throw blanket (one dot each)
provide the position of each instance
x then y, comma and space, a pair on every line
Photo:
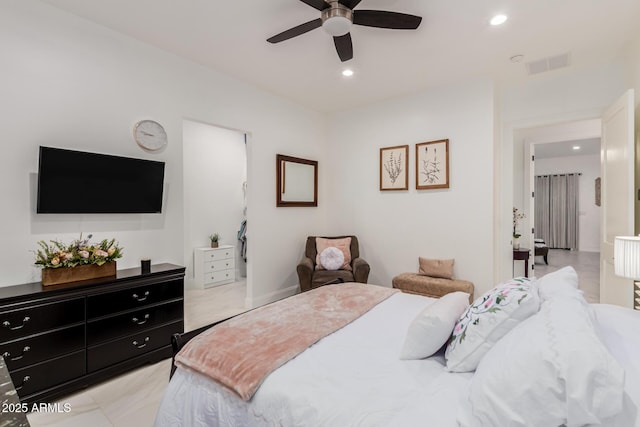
242, 351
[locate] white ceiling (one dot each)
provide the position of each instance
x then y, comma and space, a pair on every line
565, 148
454, 41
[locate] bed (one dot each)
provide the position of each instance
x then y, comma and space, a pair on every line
355, 376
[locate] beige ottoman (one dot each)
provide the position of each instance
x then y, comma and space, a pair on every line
433, 287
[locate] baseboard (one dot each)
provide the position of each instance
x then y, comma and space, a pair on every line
271, 297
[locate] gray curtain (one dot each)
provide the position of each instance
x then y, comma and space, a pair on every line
556, 198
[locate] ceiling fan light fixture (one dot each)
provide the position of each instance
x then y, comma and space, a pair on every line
337, 20
337, 26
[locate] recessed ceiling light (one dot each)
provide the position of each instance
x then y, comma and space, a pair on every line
498, 20
576, 147
347, 72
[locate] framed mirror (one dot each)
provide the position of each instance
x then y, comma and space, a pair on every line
296, 181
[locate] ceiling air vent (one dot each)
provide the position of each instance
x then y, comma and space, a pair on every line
548, 64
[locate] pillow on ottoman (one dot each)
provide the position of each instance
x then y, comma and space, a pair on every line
442, 268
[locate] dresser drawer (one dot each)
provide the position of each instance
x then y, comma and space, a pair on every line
20, 322
133, 298
133, 322
218, 254
224, 264
218, 277
112, 352
38, 348
41, 376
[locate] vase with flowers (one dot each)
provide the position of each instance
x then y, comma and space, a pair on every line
78, 260
517, 216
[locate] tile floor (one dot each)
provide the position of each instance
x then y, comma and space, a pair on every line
586, 264
132, 400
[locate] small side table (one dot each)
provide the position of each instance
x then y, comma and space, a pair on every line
523, 254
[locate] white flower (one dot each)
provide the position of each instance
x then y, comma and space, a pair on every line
84, 254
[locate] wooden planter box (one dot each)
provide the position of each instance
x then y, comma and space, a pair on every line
55, 276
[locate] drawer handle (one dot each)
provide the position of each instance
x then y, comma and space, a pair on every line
143, 345
140, 322
7, 324
25, 380
7, 355
140, 299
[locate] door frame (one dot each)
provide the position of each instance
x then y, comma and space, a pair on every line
503, 247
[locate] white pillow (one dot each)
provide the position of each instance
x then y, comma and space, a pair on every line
563, 282
331, 258
487, 320
431, 328
550, 370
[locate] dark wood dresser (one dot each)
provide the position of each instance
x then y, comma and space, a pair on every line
58, 339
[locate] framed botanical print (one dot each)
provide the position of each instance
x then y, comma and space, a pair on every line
432, 165
394, 165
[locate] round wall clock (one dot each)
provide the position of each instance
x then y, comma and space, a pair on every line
150, 135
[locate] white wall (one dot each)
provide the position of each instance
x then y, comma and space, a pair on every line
589, 219
70, 83
215, 169
396, 227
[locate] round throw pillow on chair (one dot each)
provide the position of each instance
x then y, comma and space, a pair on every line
331, 258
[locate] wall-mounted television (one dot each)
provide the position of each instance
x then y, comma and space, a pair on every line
78, 182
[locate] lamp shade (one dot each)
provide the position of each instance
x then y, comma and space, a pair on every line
626, 256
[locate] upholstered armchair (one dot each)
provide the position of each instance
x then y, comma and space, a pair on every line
311, 277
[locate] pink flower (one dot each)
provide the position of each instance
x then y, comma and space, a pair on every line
84, 254
68, 256
458, 327
55, 261
488, 303
102, 253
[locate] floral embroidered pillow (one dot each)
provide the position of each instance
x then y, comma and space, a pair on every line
487, 320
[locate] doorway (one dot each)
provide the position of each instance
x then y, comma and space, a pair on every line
214, 191
559, 151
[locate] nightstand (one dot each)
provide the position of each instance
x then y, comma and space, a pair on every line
523, 254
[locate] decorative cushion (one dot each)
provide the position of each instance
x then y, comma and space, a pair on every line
343, 244
487, 320
431, 328
550, 370
436, 267
331, 258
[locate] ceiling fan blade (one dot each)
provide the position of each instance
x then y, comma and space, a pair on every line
350, 3
384, 19
344, 47
316, 4
296, 31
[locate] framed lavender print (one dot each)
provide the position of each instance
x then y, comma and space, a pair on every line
432, 165
394, 165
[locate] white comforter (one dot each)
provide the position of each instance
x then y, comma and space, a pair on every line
353, 377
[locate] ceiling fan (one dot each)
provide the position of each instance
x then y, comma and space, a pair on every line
336, 19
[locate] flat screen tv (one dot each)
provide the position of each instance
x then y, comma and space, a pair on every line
79, 182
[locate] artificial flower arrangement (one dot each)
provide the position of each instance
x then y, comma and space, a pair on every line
56, 254
517, 216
